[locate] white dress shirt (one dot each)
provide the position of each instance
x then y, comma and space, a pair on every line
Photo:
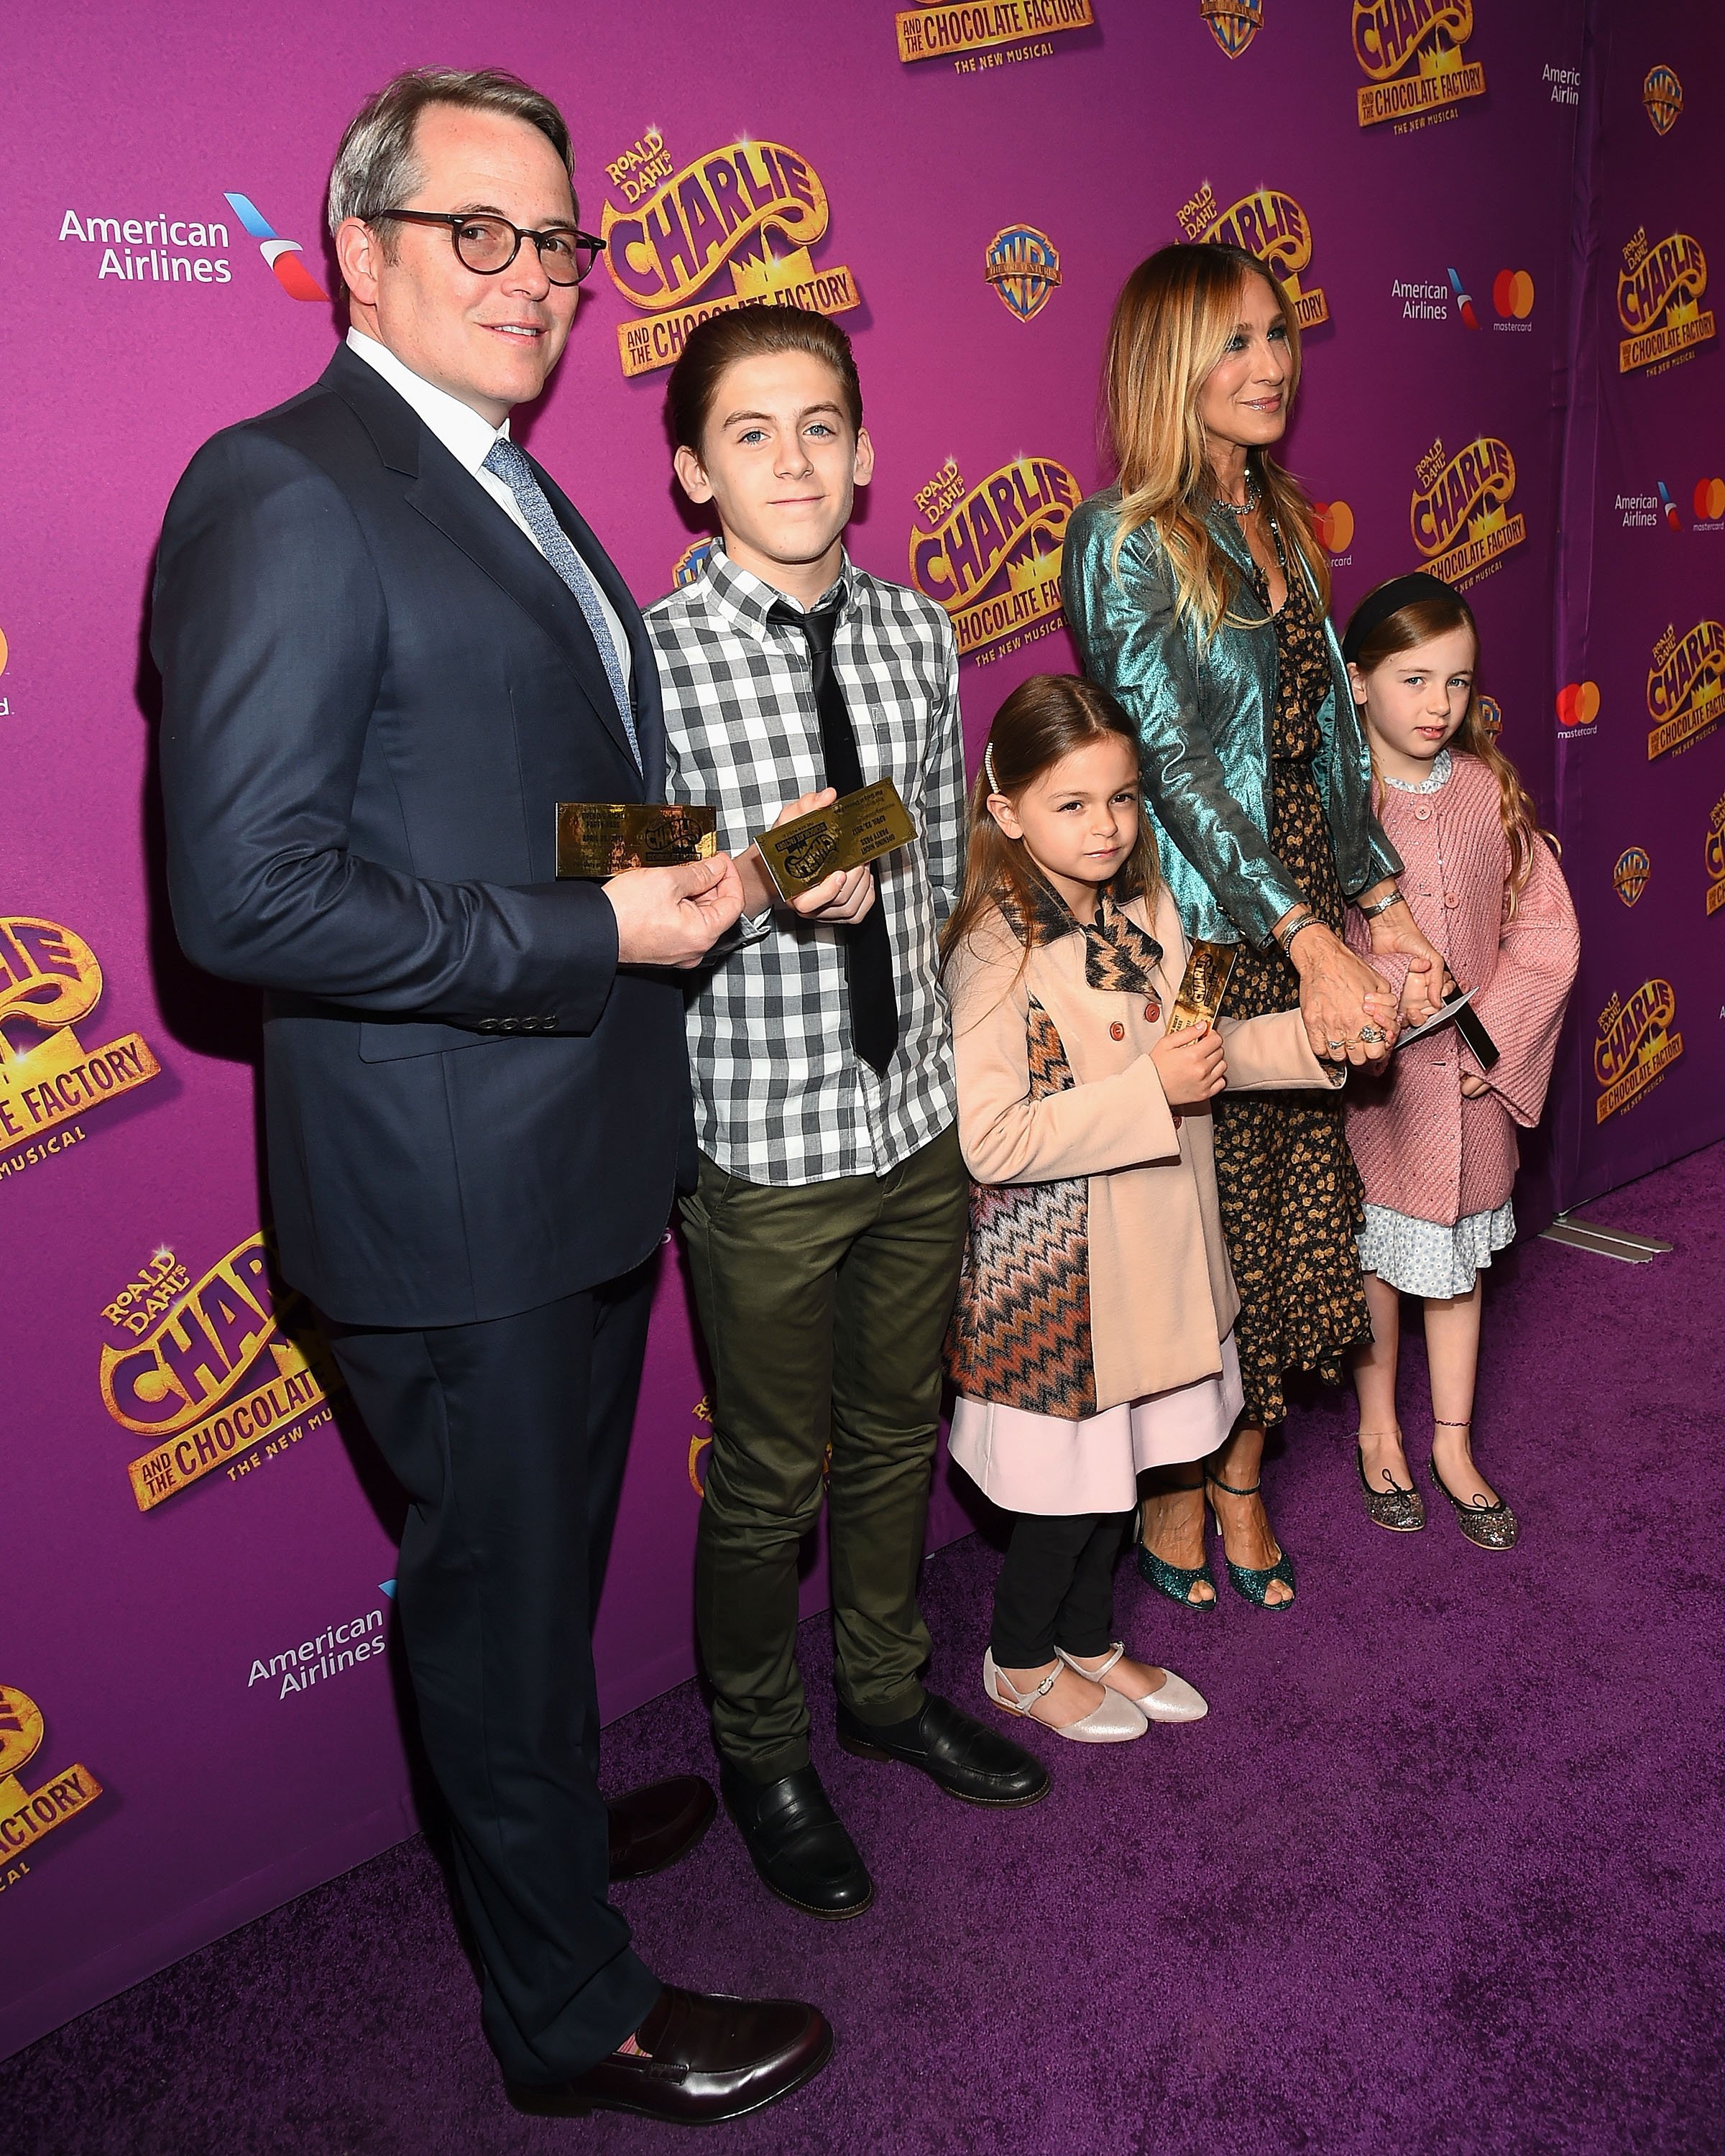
468, 438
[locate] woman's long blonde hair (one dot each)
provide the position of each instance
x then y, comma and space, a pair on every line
1171, 325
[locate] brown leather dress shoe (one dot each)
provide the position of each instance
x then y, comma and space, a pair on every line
653, 1826
706, 2058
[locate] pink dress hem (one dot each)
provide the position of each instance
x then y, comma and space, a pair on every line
1051, 1465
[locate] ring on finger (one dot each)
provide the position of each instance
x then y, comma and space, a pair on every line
1370, 1033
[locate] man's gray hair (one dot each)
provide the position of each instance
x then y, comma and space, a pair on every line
375, 168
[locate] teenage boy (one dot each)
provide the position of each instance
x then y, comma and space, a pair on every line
827, 1226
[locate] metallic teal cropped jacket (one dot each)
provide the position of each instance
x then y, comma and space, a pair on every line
1203, 711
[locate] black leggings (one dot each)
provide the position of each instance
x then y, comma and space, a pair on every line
1056, 1587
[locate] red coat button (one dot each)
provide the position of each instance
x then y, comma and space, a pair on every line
1450, 899
1116, 1031
1152, 1009
1422, 815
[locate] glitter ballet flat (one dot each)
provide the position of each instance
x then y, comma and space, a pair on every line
1486, 1527
1403, 1512
1176, 1581
1253, 1584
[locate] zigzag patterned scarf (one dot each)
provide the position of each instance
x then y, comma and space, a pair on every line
1118, 955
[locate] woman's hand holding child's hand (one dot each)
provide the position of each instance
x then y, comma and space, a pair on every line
1191, 1065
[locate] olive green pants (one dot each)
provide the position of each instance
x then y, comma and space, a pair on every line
824, 1306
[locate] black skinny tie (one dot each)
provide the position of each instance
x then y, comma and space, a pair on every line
868, 954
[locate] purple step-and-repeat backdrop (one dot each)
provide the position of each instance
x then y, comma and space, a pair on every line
1640, 658
197, 1716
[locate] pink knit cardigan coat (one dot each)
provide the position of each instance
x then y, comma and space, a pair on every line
1423, 1147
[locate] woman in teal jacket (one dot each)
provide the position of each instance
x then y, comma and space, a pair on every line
1198, 593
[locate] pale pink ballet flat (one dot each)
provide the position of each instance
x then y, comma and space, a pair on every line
1115, 1721
1173, 1699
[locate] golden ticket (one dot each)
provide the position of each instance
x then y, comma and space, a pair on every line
844, 834
1204, 984
604, 838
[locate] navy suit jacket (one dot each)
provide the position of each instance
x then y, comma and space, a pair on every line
375, 692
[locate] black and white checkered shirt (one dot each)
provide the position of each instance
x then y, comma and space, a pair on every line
781, 1097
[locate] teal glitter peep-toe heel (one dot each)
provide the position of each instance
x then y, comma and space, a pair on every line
1253, 1585
1176, 1581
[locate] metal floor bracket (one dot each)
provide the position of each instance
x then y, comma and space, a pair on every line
1608, 1242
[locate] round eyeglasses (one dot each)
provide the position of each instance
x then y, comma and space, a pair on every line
488, 244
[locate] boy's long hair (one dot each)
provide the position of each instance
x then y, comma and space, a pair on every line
1043, 720
1171, 325
1418, 622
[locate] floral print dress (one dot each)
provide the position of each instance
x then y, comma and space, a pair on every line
1292, 1206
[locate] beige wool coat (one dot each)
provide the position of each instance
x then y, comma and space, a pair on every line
1162, 1297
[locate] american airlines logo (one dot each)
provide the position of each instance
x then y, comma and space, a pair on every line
284, 256
160, 249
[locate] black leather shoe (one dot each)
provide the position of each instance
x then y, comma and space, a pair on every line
707, 2058
653, 1826
798, 1842
956, 1753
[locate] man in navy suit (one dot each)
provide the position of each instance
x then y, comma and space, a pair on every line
389, 646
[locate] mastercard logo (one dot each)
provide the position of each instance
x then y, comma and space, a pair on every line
1334, 521
1512, 295
1577, 704
3, 632
1709, 507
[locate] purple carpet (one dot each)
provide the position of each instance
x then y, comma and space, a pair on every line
1442, 1871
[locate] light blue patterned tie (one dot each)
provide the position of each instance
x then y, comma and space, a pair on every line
510, 465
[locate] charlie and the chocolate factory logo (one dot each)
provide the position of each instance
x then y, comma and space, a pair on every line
1686, 687
49, 982
1713, 855
994, 28
990, 554
1268, 225
733, 229
211, 1369
1460, 509
28, 1816
1637, 1044
1660, 290
1413, 54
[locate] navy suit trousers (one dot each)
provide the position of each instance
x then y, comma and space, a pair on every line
509, 1438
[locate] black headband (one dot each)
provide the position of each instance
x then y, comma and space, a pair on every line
1390, 598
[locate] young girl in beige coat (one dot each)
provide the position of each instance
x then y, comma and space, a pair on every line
1091, 1339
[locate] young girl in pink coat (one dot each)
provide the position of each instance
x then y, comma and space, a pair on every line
1091, 1339
1435, 1139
